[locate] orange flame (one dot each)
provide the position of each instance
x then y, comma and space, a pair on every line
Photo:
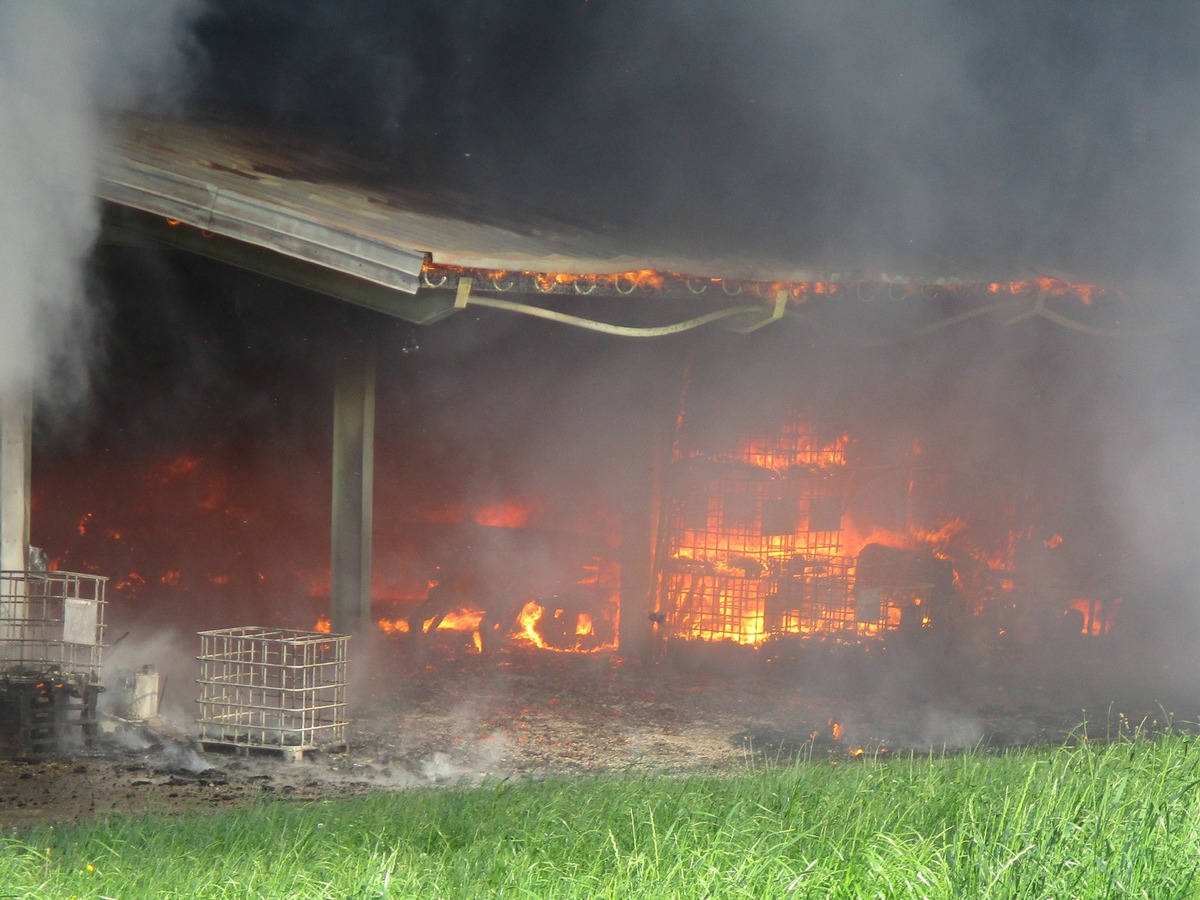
393, 626
1051, 287
503, 515
181, 466
531, 613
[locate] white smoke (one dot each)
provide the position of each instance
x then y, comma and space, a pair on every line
66, 65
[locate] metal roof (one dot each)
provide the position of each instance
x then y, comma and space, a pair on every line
338, 211
339, 225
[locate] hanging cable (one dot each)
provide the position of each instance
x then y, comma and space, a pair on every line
622, 330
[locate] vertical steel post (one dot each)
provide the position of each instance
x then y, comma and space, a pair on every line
353, 488
639, 535
16, 430
650, 453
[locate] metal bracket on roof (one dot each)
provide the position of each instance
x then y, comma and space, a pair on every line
745, 327
463, 292
781, 299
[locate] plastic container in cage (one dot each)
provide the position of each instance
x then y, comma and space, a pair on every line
52, 622
273, 689
51, 641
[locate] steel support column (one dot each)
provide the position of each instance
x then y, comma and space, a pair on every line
639, 531
16, 430
353, 484
650, 452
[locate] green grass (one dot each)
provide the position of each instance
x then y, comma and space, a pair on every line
1119, 819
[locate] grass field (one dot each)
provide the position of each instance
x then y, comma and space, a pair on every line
1090, 819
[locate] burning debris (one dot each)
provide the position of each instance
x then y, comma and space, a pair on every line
769, 539
753, 541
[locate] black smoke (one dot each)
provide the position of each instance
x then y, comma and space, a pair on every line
939, 137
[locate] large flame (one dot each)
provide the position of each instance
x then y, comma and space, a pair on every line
766, 547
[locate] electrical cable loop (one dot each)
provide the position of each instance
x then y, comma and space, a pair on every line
610, 328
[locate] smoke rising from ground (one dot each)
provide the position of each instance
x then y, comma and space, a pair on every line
63, 66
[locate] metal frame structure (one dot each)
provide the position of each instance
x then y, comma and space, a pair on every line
753, 543
52, 622
273, 689
51, 648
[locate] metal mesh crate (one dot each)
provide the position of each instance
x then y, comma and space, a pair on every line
752, 538
715, 607
273, 689
813, 596
52, 622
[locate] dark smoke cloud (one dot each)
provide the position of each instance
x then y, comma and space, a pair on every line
938, 137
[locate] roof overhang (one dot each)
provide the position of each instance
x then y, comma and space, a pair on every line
339, 225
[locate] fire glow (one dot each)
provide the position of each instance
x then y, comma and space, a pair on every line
503, 281
762, 546
759, 542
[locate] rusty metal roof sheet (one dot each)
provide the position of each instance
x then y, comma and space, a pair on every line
337, 212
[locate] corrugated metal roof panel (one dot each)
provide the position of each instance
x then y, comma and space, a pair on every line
330, 209
312, 205
189, 175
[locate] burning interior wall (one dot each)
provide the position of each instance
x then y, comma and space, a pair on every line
965, 496
764, 540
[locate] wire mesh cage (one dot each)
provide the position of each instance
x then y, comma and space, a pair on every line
52, 622
814, 597
273, 689
753, 538
710, 606
51, 643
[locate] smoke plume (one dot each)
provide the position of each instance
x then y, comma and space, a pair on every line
63, 67
939, 137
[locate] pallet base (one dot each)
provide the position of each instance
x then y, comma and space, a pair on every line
287, 754
47, 713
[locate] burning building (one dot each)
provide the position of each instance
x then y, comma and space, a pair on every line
789, 498
892, 359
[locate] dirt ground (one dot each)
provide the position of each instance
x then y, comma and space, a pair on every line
446, 716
